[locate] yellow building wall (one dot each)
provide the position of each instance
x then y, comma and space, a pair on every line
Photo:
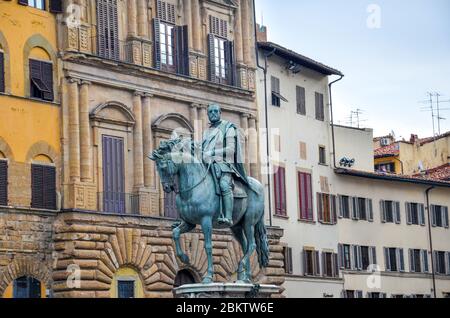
26, 121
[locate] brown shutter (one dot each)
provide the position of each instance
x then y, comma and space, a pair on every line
230, 63
301, 100
182, 50
107, 29
3, 182
317, 263
56, 6
302, 196
47, 78
37, 186
23, 2
283, 191
157, 43
49, 194
319, 207
319, 107
212, 58
2, 72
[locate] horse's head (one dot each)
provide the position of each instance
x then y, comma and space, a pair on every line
167, 162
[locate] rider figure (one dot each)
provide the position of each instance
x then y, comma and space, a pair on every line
221, 149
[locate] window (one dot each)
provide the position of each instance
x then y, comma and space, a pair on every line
280, 191
345, 256
311, 263
352, 294
390, 212
43, 187
3, 182
288, 268
41, 80
326, 208
301, 100
418, 261
385, 167
167, 46
38, 4
441, 262
107, 29
26, 287
376, 295
439, 216
415, 214
2, 72
125, 289
344, 206
330, 264
355, 257
303, 151
320, 111
276, 97
362, 209
394, 260
305, 196
322, 155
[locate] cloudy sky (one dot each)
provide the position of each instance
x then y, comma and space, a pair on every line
392, 52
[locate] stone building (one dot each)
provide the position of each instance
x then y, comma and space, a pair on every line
127, 74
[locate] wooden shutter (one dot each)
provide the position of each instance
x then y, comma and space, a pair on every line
288, 260
424, 256
56, 6
47, 78
382, 211
302, 193
283, 191
319, 107
212, 58
301, 100
412, 264
2, 72
373, 255
409, 213
182, 50
445, 217
341, 256
280, 191
341, 206
230, 63
316, 263
107, 29
387, 261
369, 206
333, 209
37, 186
157, 43
275, 83
23, 2
49, 188
355, 211
421, 208
397, 215
319, 207
3, 182
401, 260
335, 265
433, 216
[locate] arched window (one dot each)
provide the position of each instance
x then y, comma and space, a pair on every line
127, 284
41, 75
184, 277
26, 287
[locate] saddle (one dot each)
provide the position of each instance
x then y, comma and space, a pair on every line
239, 190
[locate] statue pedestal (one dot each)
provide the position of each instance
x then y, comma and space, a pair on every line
226, 290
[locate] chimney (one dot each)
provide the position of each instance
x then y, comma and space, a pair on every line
414, 138
261, 33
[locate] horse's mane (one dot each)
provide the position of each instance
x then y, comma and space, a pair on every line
183, 146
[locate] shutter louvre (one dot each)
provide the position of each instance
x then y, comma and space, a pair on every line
382, 211
37, 186
341, 256
433, 216
182, 49
425, 261
230, 63
422, 214
3, 182
56, 6
317, 263
50, 188
370, 209
387, 260
301, 100
157, 43
408, 213
47, 78
2, 72
396, 206
355, 212
401, 259
212, 58
412, 264
319, 207
23, 2
333, 209
445, 216
373, 255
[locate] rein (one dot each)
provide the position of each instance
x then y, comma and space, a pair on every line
196, 185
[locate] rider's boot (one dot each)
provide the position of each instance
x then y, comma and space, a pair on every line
228, 206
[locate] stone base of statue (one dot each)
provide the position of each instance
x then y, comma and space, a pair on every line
226, 290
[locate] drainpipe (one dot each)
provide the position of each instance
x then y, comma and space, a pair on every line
264, 69
332, 120
427, 193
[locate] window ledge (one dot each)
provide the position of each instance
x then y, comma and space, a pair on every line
311, 222
330, 224
283, 217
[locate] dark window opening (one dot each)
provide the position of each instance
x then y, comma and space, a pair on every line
41, 80
125, 289
26, 287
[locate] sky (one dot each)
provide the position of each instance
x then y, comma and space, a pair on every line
392, 52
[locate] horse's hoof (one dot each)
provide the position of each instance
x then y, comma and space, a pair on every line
207, 280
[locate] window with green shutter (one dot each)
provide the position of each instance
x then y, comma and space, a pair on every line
43, 187
41, 80
3, 182
2, 72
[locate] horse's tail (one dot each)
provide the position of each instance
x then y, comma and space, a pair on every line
262, 243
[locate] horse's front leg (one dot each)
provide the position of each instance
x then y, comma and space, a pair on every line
207, 232
177, 232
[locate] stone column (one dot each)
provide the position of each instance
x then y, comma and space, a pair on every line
149, 168
238, 34
188, 16
196, 26
85, 134
142, 18
132, 16
74, 131
253, 148
245, 152
137, 142
246, 35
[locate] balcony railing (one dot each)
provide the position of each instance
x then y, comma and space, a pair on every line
120, 203
113, 49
